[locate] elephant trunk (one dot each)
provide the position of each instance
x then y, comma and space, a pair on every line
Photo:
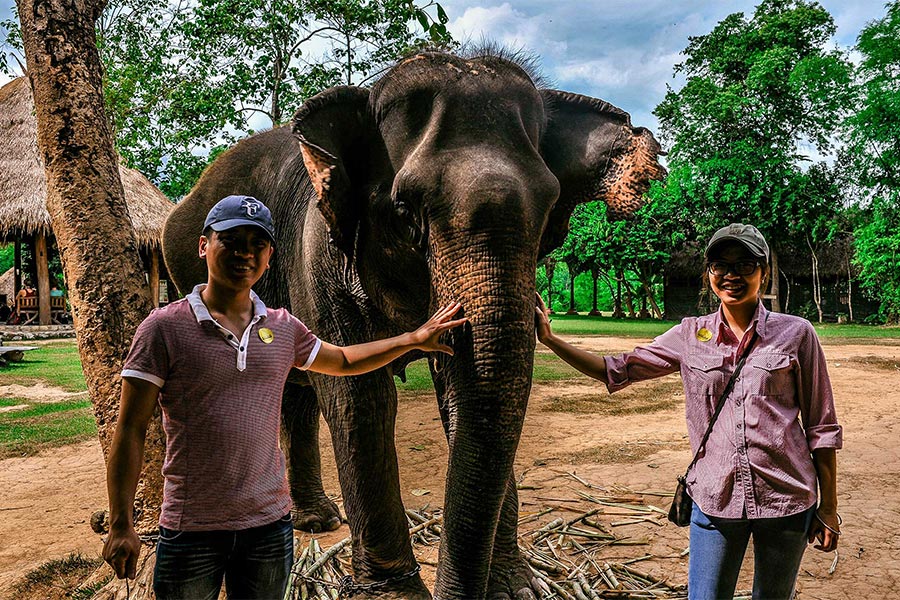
486, 386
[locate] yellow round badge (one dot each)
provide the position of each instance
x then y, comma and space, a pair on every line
266, 335
704, 335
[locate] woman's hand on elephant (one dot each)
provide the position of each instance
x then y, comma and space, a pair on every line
427, 337
541, 319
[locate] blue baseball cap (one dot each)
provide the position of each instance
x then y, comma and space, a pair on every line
236, 211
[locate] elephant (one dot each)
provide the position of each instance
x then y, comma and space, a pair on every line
445, 181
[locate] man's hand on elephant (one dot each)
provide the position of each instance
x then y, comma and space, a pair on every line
362, 358
121, 551
541, 319
427, 337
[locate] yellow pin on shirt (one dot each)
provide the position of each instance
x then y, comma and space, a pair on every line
266, 335
704, 334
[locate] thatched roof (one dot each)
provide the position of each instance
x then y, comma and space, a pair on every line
23, 188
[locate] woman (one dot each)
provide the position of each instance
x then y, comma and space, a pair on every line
761, 471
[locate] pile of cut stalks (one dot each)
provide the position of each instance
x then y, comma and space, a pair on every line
562, 552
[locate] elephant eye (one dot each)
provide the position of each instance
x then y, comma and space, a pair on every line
409, 227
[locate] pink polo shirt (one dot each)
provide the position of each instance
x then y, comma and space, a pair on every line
221, 410
757, 462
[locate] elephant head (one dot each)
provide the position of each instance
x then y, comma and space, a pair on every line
447, 181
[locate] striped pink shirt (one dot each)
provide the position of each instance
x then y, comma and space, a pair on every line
757, 462
221, 410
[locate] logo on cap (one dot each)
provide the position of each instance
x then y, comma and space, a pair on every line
251, 207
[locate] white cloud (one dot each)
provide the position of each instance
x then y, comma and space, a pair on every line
505, 25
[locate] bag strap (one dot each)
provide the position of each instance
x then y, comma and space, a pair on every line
721, 403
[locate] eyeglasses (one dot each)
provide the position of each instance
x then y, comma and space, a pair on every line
742, 267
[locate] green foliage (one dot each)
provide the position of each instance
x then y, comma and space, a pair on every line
184, 80
872, 157
757, 90
7, 257
877, 245
873, 130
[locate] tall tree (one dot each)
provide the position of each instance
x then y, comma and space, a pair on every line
873, 156
758, 92
87, 209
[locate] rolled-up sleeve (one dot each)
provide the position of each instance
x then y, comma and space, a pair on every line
661, 357
815, 397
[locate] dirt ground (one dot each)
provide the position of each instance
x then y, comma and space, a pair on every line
635, 439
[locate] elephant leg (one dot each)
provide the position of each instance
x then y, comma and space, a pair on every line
361, 412
313, 510
511, 576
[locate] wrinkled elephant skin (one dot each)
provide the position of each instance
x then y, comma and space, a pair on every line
446, 181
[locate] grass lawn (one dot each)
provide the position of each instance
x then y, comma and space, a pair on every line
56, 364
34, 426
547, 367
828, 332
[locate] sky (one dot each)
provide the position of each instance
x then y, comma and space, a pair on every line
618, 50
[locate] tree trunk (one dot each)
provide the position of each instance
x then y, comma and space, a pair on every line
629, 297
617, 309
595, 275
849, 290
88, 213
572, 273
657, 312
549, 268
817, 284
774, 281
17, 263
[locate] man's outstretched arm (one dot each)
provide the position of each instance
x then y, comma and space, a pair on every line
362, 358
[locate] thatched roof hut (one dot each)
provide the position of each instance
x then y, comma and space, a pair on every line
23, 193
23, 188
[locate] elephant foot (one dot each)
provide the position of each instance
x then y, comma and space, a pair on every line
316, 516
410, 588
511, 579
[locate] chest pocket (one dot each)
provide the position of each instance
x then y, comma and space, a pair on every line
772, 372
704, 374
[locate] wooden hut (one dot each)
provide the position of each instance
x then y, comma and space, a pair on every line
24, 218
840, 295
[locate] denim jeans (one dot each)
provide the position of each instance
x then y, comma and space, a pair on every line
717, 551
254, 562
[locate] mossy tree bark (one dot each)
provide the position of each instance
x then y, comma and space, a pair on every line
88, 213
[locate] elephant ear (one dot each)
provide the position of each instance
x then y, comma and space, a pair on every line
595, 154
332, 128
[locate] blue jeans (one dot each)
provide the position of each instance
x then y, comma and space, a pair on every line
717, 551
255, 562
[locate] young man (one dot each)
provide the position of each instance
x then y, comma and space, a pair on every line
216, 363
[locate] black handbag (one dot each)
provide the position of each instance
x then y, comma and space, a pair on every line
682, 504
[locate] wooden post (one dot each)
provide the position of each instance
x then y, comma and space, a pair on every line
154, 276
41, 263
17, 272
